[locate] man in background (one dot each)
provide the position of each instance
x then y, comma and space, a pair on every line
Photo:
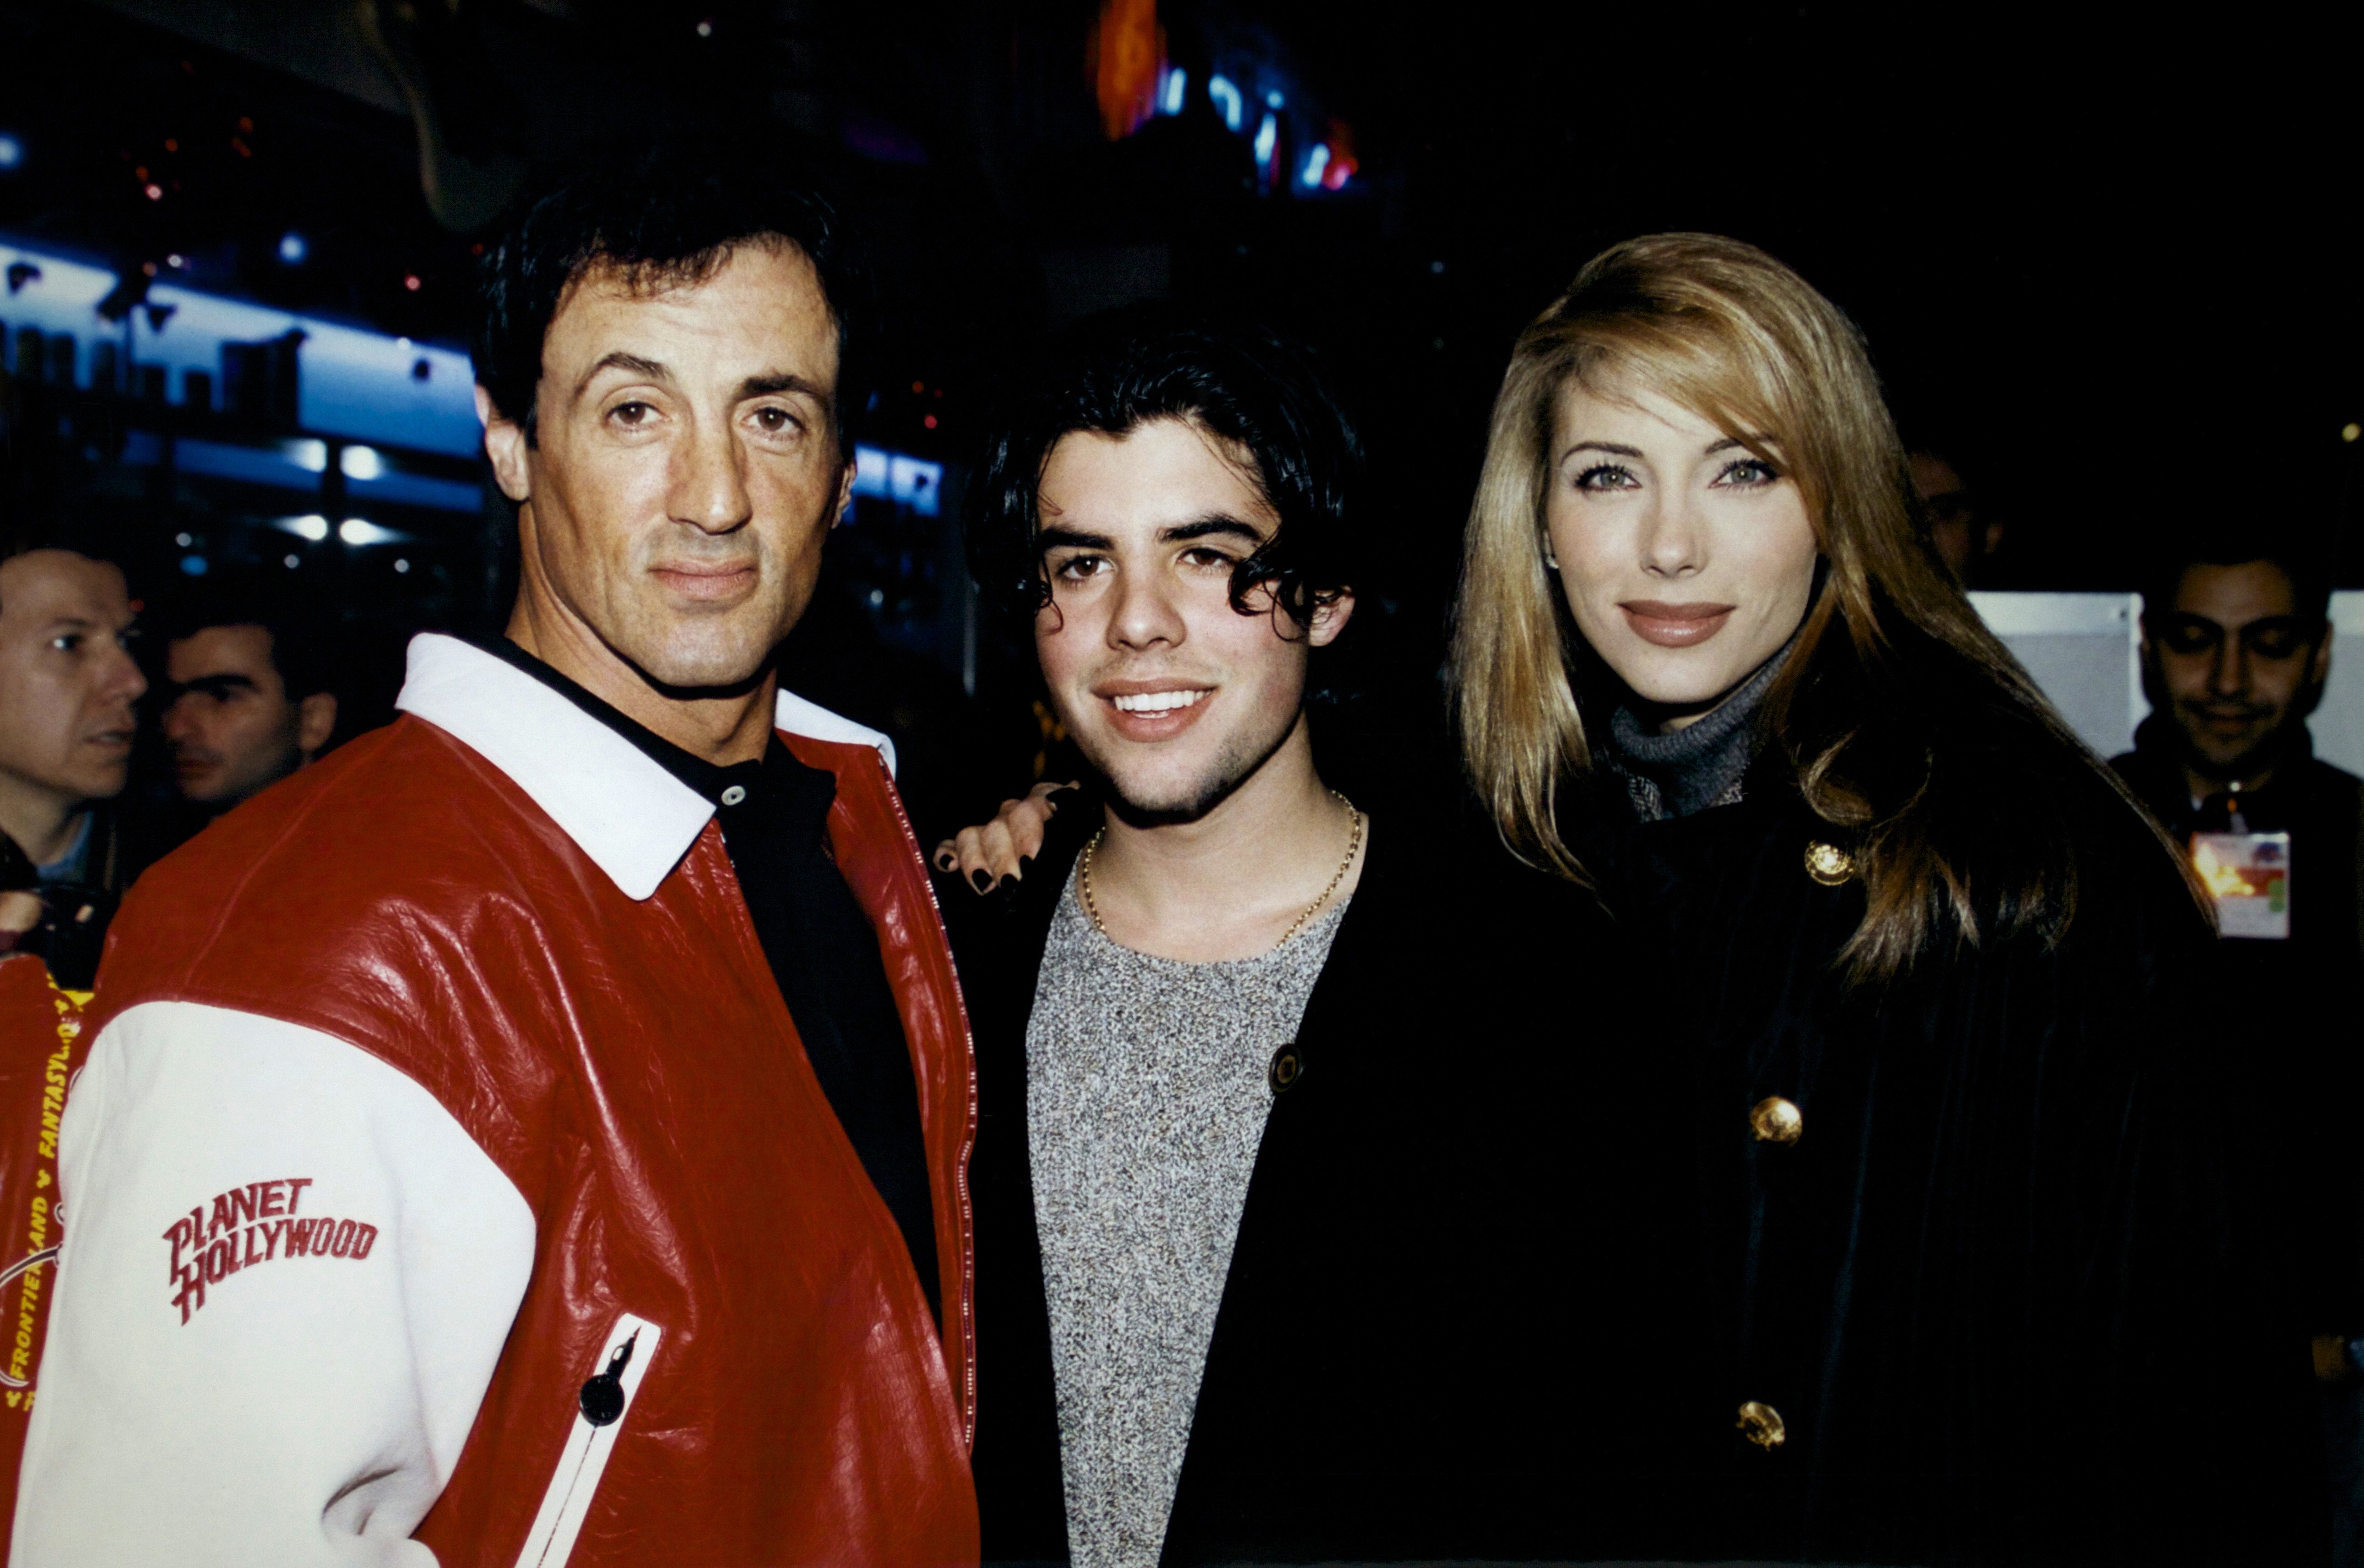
2236, 648
68, 683
251, 696
1965, 537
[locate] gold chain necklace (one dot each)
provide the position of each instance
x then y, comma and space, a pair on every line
1354, 843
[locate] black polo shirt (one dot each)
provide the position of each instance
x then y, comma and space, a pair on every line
821, 947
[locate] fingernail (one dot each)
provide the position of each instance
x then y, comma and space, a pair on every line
1005, 882
1025, 860
944, 863
984, 883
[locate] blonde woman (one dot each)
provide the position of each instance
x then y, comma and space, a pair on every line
1974, 1296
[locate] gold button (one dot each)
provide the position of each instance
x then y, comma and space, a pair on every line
1829, 864
1776, 1120
1288, 1067
1762, 1423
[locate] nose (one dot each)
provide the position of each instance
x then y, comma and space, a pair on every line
175, 723
2229, 670
121, 679
1144, 614
1673, 544
710, 489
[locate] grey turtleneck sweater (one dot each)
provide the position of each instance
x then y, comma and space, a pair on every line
1699, 765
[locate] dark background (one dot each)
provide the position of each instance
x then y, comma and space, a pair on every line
2106, 263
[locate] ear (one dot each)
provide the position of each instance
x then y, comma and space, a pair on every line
1994, 532
1329, 619
844, 492
316, 720
2322, 671
505, 445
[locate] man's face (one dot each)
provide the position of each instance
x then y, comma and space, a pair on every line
1954, 526
233, 728
67, 679
2235, 663
687, 467
1174, 697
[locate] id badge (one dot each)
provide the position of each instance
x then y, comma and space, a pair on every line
2248, 876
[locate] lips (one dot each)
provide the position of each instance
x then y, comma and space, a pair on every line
1152, 709
701, 581
1674, 626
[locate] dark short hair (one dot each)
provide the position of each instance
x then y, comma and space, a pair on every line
2306, 560
1240, 383
304, 647
664, 215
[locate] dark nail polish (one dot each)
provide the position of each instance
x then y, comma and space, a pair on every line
1004, 883
984, 883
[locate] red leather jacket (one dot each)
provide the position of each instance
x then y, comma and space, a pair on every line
630, 1066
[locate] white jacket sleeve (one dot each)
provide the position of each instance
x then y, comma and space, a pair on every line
287, 1275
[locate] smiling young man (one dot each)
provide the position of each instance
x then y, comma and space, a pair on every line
1256, 1225
534, 1133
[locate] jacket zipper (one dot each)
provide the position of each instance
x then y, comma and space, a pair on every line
599, 1414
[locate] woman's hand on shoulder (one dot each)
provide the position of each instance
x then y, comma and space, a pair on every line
987, 854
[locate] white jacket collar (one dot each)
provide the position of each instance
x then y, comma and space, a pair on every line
620, 805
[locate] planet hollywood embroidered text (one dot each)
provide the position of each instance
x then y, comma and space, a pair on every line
252, 1225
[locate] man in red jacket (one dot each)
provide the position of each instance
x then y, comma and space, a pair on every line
536, 1132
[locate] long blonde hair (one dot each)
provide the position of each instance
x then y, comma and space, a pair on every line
1888, 647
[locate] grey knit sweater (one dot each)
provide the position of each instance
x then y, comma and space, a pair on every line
1147, 1087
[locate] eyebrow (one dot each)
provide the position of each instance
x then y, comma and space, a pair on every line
620, 361
1071, 539
218, 685
1211, 526
781, 381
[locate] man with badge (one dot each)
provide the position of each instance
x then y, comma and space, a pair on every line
535, 1133
2235, 651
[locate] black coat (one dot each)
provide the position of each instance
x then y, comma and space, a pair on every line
2293, 1034
1458, 1286
1997, 1290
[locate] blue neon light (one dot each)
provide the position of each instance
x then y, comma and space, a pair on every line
1272, 99
1267, 137
1227, 100
1172, 91
294, 248
12, 151
908, 481
1316, 162
352, 382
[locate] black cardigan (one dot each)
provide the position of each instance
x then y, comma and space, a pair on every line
1455, 1319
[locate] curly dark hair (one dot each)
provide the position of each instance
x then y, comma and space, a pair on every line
1240, 383
663, 214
